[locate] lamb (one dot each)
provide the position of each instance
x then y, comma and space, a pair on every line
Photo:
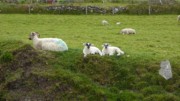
128, 31
104, 22
90, 49
111, 50
51, 44
178, 18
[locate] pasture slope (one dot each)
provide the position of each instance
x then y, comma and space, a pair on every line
28, 74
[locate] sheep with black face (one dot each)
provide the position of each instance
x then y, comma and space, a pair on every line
111, 50
90, 49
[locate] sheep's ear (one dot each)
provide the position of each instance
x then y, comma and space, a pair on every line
36, 33
32, 33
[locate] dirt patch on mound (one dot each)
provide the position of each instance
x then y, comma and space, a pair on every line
28, 58
16, 75
27, 77
25, 58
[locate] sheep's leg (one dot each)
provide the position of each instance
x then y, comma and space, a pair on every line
118, 54
103, 54
100, 53
110, 54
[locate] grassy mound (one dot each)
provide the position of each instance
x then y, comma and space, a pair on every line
28, 74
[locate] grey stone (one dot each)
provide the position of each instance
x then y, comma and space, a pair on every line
165, 70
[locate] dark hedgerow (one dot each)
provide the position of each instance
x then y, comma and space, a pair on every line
140, 9
137, 9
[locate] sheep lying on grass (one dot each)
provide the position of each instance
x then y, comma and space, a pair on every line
90, 49
111, 50
104, 22
128, 31
52, 44
178, 18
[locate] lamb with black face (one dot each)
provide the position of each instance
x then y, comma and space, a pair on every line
111, 50
90, 49
88, 45
106, 45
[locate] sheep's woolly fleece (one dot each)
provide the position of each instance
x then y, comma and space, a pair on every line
111, 50
178, 18
128, 31
52, 44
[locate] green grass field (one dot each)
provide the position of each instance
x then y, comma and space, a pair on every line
123, 79
158, 35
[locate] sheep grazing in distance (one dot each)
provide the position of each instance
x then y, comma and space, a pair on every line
90, 49
118, 23
104, 22
111, 50
52, 44
128, 31
178, 18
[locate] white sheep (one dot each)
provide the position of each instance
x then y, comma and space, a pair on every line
90, 49
128, 31
118, 23
111, 50
178, 18
104, 22
52, 44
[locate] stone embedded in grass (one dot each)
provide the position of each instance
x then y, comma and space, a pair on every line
165, 70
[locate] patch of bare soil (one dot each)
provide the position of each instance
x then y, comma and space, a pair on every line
16, 76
